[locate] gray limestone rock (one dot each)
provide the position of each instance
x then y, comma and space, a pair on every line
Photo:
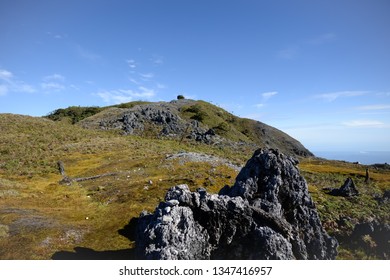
267, 214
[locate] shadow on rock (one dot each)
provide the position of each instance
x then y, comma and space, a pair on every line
82, 253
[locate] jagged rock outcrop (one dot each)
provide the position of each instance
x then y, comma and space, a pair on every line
161, 118
348, 189
267, 214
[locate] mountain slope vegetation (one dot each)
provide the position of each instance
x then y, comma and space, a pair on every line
182, 119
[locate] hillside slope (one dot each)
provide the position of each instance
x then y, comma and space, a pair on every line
184, 120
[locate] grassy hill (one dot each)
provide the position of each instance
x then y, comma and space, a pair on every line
231, 128
40, 217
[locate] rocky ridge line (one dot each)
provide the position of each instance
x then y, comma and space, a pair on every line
267, 214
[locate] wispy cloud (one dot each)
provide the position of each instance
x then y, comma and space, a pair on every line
147, 76
54, 77
52, 86
126, 95
268, 95
374, 107
365, 124
5, 75
54, 82
265, 96
295, 49
322, 39
87, 54
332, 96
288, 53
131, 63
56, 35
157, 60
3, 90
9, 83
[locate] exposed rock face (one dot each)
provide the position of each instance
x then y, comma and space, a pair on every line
162, 118
267, 214
347, 189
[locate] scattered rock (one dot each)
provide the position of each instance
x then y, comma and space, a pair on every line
373, 236
385, 198
267, 214
348, 189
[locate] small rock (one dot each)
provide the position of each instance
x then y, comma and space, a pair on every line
348, 189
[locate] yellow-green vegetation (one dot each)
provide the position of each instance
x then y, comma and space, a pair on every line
39, 216
339, 214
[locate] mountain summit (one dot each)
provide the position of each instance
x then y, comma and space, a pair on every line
184, 120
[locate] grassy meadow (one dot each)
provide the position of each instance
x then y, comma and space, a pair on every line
40, 217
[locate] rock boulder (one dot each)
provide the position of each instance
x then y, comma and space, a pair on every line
267, 214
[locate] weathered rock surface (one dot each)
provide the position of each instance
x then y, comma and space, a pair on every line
267, 214
348, 189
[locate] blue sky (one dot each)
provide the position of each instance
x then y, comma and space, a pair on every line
318, 70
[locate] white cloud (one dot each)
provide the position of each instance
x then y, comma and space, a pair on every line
332, 96
56, 36
265, 96
9, 83
374, 107
3, 90
126, 95
54, 82
288, 53
22, 87
365, 123
52, 86
161, 86
134, 81
131, 63
87, 54
5, 75
268, 95
54, 77
158, 60
322, 39
146, 76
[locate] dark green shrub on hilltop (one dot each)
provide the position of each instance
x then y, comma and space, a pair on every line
73, 114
